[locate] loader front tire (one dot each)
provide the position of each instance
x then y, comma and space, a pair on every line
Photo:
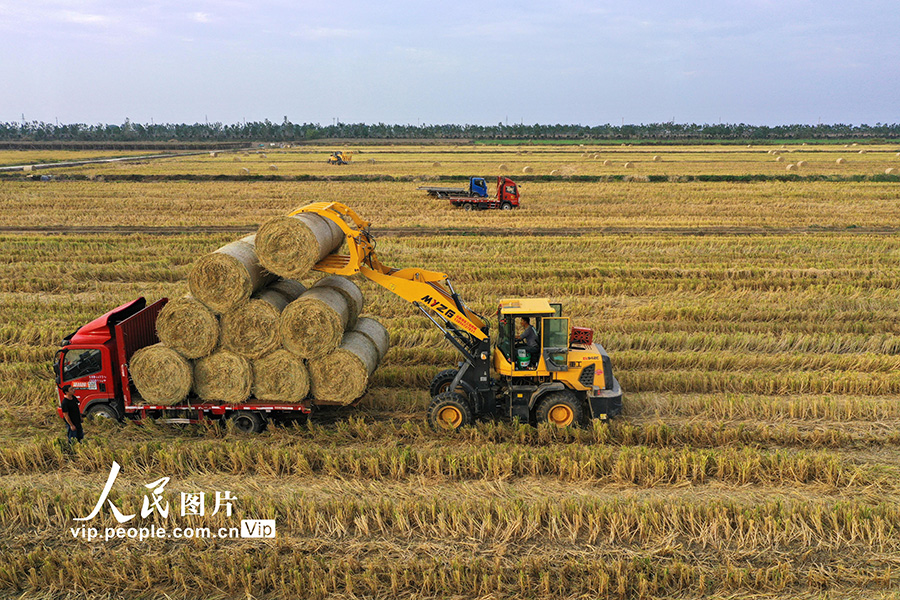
449, 411
561, 409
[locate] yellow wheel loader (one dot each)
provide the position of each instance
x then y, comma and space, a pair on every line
554, 373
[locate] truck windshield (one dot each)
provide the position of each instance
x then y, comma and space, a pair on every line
81, 362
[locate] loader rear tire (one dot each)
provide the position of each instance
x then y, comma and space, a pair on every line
448, 412
562, 409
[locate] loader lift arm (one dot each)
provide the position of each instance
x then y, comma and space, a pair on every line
429, 291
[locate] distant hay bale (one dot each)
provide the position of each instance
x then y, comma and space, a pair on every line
28, 168
251, 329
527, 170
791, 167
890, 171
189, 327
606, 163
371, 161
854, 144
263, 155
245, 171
223, 377
226, 278
312, 325
273, 167
861, 152
160, 374
629, 165
554, 172
840, 161
595, 156
779, 159
801, 163
291, 246
236, 159
341, 376
503, 166
280, 377
435, 164
376, 332
656, 159
351, 293
213, 154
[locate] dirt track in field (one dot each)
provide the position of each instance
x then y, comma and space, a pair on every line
487, 232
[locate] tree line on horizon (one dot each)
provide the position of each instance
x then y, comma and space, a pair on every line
293, 132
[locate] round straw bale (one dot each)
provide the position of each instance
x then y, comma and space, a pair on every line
890, 171
188, 326
223, 377
291, 246
342, 376
291, 289
779, 159
236, 159
840, 161
554, 172
28, 168
791, 167
160, 374
801, 163
503, 166
280, 377
245, 171
312, 325
629, 165
376, 332
435, 164
606, 163
527, 169
251, 329
656, 159
214, 154
226, 278
862, 152
350, 291
595, 156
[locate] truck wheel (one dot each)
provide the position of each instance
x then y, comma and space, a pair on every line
468, 206
102, 411
449, 411
506, 206
247, 421
562, 409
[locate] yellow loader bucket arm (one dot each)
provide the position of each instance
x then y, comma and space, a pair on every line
425, 289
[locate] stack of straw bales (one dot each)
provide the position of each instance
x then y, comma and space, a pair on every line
250, 328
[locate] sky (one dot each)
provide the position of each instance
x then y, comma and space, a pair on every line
761, 62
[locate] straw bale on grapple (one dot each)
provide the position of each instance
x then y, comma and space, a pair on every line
226, 278
291, 245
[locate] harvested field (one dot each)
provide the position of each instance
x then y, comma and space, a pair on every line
754, 327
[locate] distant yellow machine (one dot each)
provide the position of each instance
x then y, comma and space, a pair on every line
340, 158
558, 376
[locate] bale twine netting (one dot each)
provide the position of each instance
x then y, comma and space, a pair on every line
161, 375
342, 376
226, 278
291, 246
289, 288
349, 290
312, 325
223, 377
376, 332
280, 377
189, 327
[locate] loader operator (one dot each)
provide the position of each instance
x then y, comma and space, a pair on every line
528, 338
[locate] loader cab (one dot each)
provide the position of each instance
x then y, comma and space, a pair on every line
512, 357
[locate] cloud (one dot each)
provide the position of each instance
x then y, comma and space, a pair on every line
326, 33
200, 17
80, 18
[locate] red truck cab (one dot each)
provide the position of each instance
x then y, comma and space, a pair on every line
94, 358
